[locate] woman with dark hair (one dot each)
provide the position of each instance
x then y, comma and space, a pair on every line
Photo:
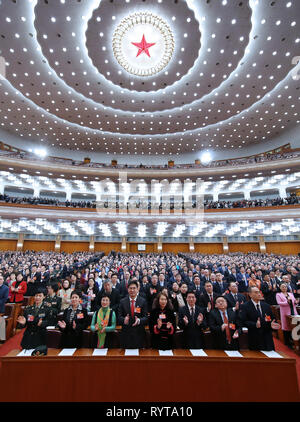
74, 321
89, 294
65, 294
104, 322
17, 290
162, 323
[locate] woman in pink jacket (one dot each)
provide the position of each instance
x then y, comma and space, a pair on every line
287, 303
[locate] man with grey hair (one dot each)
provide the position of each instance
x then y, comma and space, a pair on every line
257, 316
113, 295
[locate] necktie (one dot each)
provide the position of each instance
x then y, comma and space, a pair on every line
212, 301
192, 314
258, 310
132, 308
225, 319
235, 297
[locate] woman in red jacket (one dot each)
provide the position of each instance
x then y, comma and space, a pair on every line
17, 290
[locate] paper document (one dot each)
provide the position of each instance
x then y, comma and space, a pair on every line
198, 352
271, 354
165, 353
26, 352
233, 353
100, 352
67, 352
131, 352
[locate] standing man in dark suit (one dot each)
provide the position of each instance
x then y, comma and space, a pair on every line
196, 285
207, 299
257, 316
234, 299
132, 315
144, 286
124, 284
113, 295
242, 279
220, 286
225, 326
191, 320
269, 289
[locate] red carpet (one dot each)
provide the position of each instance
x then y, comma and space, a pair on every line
280, 347
12, 343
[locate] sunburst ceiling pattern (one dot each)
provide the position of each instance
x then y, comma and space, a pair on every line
229, 82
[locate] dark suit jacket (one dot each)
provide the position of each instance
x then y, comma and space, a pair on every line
73, 337
193, 335
220, 288
162, 338
133, 337
204, 299
258, 338
231, 302
144, 290
231, 276
4, 290
123, 289
269, 295
215, 322
243, 286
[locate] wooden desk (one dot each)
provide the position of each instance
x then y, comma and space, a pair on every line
148, 377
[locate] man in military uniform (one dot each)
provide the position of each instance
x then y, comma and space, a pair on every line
53, 302
36, 319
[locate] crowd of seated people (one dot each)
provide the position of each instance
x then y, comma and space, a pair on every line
251, 203
165, 292
271, 156
242, 203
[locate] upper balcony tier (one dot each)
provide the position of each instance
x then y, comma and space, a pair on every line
265, 163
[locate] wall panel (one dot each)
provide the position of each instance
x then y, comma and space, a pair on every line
285, 248
38, 245
175, 247
107, 247
70, 247
209, 248
244, 247
8, 245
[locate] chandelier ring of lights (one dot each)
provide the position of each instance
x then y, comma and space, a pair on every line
158, 24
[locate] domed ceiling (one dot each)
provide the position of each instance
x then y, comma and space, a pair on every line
161, 77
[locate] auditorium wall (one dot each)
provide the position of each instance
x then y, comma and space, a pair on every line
107, 247
70, 247
208, 248
285, 248
244, 247
175, 247
38, 245
8, 245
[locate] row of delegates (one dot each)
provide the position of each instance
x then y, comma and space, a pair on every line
223, 321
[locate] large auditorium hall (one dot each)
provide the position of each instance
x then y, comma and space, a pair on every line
149, 204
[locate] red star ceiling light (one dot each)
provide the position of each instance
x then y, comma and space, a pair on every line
143, 46
144, 26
